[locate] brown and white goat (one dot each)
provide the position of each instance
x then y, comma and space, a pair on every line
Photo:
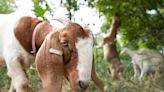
69, 51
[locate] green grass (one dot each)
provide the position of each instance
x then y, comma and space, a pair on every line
126, 84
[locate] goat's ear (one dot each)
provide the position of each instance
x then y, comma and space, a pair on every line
99, 83
50, 65
67, 46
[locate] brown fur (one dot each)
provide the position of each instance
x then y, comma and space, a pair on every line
51, 67
69, 34
26, 87
96, 80
78, 29
110, 51
42, 30
67, 63
23, 31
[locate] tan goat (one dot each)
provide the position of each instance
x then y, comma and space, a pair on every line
145, 61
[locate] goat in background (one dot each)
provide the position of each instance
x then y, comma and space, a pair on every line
145, 61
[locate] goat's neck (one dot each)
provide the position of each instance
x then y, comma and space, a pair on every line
40, 38
113, 30
112, 33
130, 52
41, 34
115, 25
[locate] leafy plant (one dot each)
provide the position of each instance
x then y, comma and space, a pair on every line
40, 8
7, 6
142, 21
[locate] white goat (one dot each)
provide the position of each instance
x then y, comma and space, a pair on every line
144, 61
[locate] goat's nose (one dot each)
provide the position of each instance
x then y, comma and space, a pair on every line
83, 85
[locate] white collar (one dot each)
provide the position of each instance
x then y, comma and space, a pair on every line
55, 51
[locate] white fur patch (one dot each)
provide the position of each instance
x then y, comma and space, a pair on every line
56, 24
85, 58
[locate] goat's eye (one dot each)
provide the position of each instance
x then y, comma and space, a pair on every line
64, 44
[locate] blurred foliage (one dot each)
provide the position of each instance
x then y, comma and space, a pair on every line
4, 79
142, 21
7, 6
71, 6
34, 80
40, 8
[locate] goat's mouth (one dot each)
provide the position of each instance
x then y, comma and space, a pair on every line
80, 86
83, 86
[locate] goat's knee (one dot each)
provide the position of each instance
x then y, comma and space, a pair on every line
21, 84
142, 75
17, 75
114, 74
136, 74
23, 87
11, 89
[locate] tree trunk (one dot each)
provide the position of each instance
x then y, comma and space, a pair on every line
69, 9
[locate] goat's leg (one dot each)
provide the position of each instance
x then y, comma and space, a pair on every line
143, 73
17, 75
144, 69
112, 70
11, 87
96, 80
136, 71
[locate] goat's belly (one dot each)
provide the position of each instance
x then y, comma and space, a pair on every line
13, 49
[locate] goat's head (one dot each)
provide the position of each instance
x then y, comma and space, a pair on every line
124, 50
66, 52
78, 65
